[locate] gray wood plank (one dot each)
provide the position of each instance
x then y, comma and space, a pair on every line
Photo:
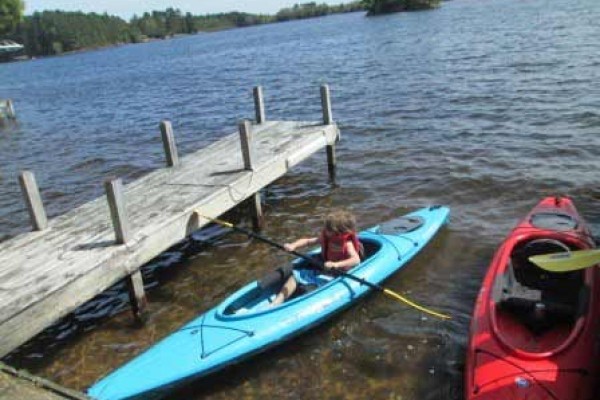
19, 384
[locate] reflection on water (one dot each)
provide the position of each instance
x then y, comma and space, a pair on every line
483, 106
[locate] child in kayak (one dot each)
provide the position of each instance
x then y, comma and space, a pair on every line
340, 249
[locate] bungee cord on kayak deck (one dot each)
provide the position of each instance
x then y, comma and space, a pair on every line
315, 263
200, 329
400, 255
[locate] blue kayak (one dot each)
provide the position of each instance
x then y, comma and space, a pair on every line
245, 324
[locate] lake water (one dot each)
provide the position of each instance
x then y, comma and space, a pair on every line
486, 106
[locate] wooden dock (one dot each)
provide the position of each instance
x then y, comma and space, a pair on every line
7, 110
16, 384
66, 261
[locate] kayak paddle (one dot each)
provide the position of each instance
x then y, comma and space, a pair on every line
566, 262
320, 266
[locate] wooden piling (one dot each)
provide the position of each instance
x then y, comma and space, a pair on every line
35, 207
169, 144
254, 201
259, 105
328, 120
10, 110
137, 297
326, 105
118, 212
256, 212
120, 221
246, 140
331, 162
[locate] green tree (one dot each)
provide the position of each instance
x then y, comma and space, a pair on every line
11, 13
390, 6
312, 9
55, 32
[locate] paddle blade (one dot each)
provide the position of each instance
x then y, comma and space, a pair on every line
565, 262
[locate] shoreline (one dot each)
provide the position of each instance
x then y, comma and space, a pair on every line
24, 58
146, 39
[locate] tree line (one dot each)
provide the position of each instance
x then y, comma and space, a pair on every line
375, 7
54, 32
11, 12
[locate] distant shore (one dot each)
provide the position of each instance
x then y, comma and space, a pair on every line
51, 33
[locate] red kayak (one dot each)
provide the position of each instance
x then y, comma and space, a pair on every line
535, 334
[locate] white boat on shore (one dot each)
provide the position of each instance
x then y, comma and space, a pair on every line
9, 46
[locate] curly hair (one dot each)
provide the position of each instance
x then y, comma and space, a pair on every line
340, 221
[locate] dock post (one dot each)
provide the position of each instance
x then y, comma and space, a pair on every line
331, 161
169, 144
35, 207
137, 296
246, 139
259, 105
326, 105
254, 202
135, 284
118, 214
256, 213
328, 120
10, 110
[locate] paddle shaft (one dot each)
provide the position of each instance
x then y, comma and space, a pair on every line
275, 244
309, 259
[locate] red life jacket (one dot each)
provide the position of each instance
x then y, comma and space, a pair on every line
333, 247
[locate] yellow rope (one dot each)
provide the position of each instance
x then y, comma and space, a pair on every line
218, 221
415, 305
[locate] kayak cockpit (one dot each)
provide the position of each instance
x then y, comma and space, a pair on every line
257, 297
253, 300
532, 303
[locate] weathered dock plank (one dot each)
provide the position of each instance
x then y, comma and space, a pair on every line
46, 274
18, 384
